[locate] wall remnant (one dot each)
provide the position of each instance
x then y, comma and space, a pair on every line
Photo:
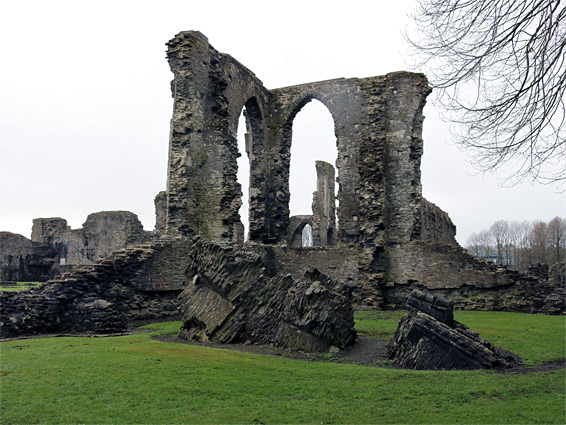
25, 261
233, 295
324, 206
428, 337
55, 247
135, 284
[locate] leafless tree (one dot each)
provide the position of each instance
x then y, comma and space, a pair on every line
556, 232
474, 246
500, 234
500, 69
538, 239
480, 244
518, 233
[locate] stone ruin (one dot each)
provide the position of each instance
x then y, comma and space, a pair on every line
429, 338
235, 294
387, 239
55, 247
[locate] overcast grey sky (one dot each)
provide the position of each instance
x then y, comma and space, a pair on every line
85, 102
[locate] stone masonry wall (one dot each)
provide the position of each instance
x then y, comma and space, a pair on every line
378, 126
24, 260
343, 99
447, 270
210, 89
101, 234
435, 225
160, 202
55, 247
139, 283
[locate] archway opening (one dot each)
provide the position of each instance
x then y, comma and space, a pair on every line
314, 140
249, 135
306, 236
243, 174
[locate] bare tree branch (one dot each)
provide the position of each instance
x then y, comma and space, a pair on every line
499, 67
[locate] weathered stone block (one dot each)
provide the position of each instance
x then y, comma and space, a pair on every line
232, 296
428, 338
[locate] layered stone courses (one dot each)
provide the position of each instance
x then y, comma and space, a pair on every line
139, 283
428, 337
233, 295
54, 246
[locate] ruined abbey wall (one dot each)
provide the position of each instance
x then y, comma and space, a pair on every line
23, 260
134, 284
378, 125
383, 220
54, 246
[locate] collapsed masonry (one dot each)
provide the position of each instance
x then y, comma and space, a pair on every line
388, 239
428, 337
238, 294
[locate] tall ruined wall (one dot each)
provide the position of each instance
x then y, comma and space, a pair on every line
209, 90
390, 152
343, 100
378, 128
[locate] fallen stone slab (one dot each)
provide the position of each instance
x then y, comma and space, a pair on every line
232, 296
429, 338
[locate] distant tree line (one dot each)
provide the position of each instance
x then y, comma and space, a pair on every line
521, 244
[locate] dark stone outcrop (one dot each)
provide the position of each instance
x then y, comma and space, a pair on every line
429, 338
233, 295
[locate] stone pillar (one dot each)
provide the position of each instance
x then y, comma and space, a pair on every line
324, 206
160, 202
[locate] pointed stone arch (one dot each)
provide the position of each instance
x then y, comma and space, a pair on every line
343, 99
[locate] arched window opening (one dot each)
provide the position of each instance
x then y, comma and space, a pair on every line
243, 174
314, 144
307, 236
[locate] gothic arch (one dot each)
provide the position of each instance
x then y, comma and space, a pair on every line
342, 98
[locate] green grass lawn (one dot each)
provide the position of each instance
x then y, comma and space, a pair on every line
19, 286
138, 379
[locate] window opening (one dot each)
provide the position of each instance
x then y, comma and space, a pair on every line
307, 236
243, 174
313, 139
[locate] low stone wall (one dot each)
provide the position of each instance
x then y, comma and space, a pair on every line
132, 285
448, 271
